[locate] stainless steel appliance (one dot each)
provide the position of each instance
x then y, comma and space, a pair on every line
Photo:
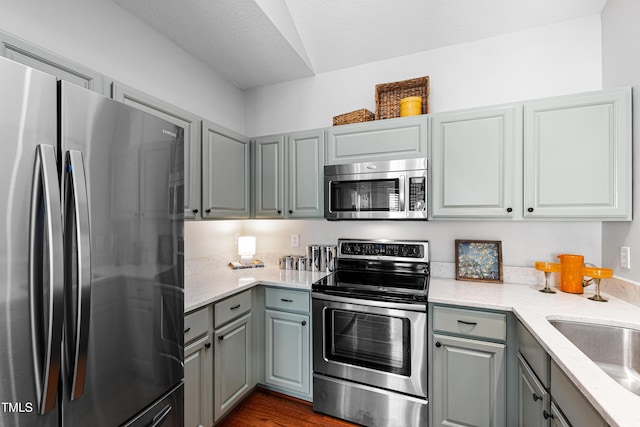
395, 189
91, 293
370, 334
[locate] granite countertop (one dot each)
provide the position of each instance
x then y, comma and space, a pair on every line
617, 405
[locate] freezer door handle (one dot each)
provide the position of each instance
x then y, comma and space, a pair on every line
161, 416
77, 250
46, 276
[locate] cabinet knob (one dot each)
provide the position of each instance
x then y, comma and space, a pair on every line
530, 210
221, 337
536, 397
438, 344
290, 211
304, 323
207, 345
279, 211
195, 211
509, 210
208, 211
546, 415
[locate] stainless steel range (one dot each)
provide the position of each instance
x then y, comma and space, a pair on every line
370, 334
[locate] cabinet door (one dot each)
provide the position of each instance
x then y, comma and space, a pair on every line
401, 138
305, 172
287, 362
469, 382
198, 383
533, 399
268, 166
191, 178
232, 373
474, 163
225, 173
577, 156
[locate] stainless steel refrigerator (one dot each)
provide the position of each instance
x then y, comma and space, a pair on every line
91, 253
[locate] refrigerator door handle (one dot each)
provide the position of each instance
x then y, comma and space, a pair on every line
77, 249
46, 277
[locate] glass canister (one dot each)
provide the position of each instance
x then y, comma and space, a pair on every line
571, 273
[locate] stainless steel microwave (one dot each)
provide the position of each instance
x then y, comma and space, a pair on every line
394, 189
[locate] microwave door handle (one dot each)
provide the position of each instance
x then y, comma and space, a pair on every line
46, 291
403, 192
76, 214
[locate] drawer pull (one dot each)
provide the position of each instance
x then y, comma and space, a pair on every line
286, 300
187, 330
536, 397
546, 415
235, 307
468, 323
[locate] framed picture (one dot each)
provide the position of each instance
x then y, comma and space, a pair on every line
479, 260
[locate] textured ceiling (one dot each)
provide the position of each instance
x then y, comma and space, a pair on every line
261, 42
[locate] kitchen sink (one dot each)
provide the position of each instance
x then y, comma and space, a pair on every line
615, 349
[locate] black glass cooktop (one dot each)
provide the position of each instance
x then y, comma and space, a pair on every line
384, 286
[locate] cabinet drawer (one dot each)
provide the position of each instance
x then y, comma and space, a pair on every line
471, 323
196, 324
534, 354
572, 403
233, 307
286, 299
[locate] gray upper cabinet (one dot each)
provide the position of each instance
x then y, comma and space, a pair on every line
62, 68
225, 173
400, 138
305, 171
474, 163
577, 156
192, 137
268, 168
288, 171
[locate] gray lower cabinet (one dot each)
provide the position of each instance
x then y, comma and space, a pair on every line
198, 369
390, 139
547, 397
233, 374
469, 368
287, 353
198, 383
225, 173
190, 180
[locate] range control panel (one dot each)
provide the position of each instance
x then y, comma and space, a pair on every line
383, 249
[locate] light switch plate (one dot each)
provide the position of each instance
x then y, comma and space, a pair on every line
625, 257
295, 240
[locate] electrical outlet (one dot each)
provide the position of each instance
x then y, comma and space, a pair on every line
295, 240
625, 257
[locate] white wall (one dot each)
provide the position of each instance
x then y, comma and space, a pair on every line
621, 67
545, 61
102, 36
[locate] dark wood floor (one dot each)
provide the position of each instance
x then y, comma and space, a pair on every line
267, 408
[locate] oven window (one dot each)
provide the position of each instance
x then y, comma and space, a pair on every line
370, 340
366, 195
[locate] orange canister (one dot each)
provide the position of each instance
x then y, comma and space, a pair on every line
571, 273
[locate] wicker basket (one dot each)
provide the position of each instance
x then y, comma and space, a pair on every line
388, 96
358, 116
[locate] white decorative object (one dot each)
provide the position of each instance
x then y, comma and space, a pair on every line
246, 249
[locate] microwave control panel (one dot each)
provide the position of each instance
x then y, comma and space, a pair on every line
417, 187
